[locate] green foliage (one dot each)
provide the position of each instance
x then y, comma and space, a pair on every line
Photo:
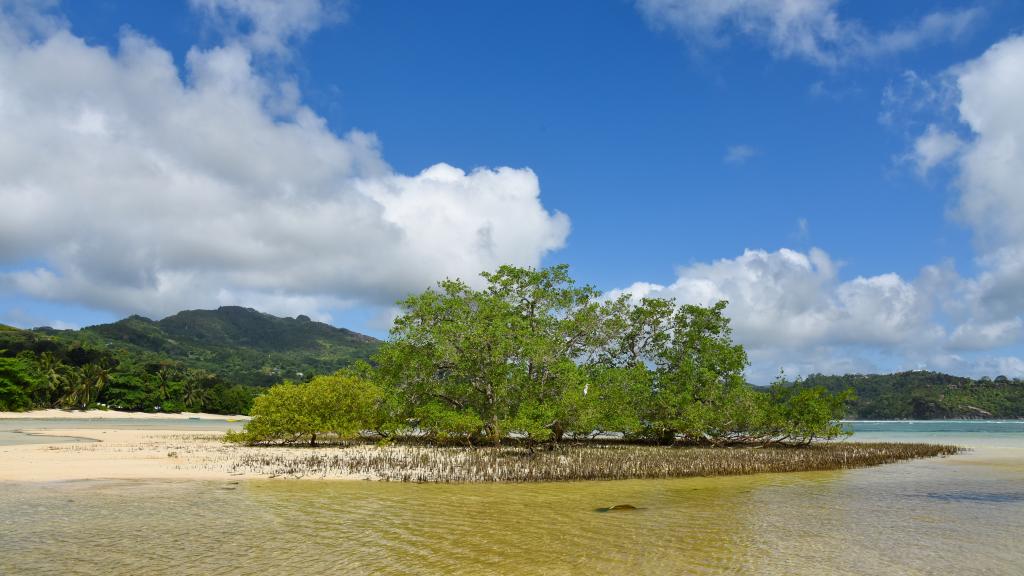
17, 380
340, 405
198, 360
531, 355
923, 395
802, 414
505, 355
53, 373
240, 345
446, 424
534, 356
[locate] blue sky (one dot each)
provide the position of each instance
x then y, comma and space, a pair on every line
816, 163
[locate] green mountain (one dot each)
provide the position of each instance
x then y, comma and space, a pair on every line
201, 360
923, 395
241, 345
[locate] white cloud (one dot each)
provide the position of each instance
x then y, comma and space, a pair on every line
974, 336
739, 154
791, 309
268, 26
1011, 366
809, 29
788, 300
934, 147
992, 165
989, 89
133, 186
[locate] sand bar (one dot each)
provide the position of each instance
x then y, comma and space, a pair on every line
138, 454
54, 413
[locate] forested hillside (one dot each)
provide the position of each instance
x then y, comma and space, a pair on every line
239, 344
212, 360
926, 395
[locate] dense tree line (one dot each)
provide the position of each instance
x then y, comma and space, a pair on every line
535, 357
923, 395
37, 371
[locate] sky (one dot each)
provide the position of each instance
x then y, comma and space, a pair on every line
848, 175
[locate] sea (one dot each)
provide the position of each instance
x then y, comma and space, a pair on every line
960, 514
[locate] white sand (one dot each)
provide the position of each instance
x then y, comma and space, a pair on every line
107, 414
140, 454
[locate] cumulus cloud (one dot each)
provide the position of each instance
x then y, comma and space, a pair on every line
792, 310
134, 186
787, 304
933, 147
809, 29
990, 181
992, 165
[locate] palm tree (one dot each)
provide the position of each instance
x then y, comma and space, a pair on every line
73, 386
85, 384
193, 392
96, 376
54, 373
163, 382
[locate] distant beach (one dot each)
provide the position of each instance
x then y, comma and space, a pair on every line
113, 415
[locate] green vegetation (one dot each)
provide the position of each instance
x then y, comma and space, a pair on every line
37, 371
341, 405
532, 358
922, 395
240, 345
198, 360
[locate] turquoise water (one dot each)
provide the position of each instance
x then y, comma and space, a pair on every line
974, 434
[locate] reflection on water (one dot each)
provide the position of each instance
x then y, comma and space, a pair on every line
946, 516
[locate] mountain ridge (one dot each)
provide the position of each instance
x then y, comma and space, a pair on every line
243, 345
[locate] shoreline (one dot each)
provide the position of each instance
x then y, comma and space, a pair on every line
58, 414
152, 454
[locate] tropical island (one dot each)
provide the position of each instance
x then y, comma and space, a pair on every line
527, 377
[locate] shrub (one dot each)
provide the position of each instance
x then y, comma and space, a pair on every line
340, 405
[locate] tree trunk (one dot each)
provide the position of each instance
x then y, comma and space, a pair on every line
494, 430
312, 440
557, 432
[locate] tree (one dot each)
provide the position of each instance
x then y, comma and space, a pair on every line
504, 356
193, 391
340, 405
16, 379
52, 371
699, 384
797, 414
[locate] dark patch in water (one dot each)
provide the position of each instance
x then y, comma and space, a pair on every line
998, 497
617, 508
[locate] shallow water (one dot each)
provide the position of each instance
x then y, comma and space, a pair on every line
955, 515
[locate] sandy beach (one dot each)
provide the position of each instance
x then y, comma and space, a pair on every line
117, 453
54, 413
141, 454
